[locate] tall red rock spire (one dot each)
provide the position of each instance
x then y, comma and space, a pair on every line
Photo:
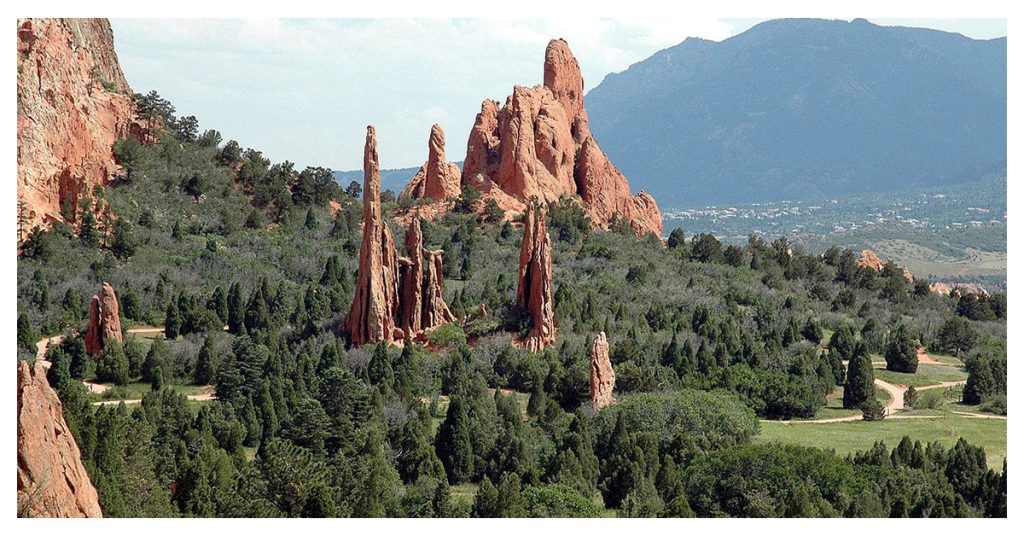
602, 375
534, 292
396, 297
437, 179
104, 320
372, 317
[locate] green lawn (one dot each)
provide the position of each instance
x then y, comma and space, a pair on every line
926, 375
853, 436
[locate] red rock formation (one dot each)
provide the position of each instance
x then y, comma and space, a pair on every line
52, 482
422, 306
906, 274
528, 149
437, 179
940, 288
104, 320
73, 104
868, 259
963, 289
396, 297
602, 375
372, 317
534, 291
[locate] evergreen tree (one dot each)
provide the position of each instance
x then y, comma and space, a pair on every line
26, 335
236, 314
172, 320
901, 352
454, 442
218, 304
206, 364
112, 364
860, 380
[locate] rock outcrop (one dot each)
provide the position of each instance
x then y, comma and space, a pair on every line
534, 291
437, 179
422, 307
396, 297
538, 145
602, 375
868, 259
104, 320
73, 104
940, 288
905, 272
52, 482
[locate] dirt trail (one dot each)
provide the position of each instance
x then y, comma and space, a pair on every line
895, 405
43, 345
941, 385
923, 358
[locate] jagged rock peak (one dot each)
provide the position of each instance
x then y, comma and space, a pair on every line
52, 482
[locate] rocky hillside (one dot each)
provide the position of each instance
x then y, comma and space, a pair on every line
73, 104
52, 481
800, 109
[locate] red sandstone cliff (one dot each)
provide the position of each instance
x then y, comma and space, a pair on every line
52, 481
104, 320
73, 104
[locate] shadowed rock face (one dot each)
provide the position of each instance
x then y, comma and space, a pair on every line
534, 291
73, 104
602, 375
104, 320
538, 145
396, 297
437, 179
52, 481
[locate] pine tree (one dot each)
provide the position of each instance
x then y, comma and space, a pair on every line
206, 364
172, 320
218, 303
901, 352
454, 442
26, 335
860, 379
235, 313
112, 364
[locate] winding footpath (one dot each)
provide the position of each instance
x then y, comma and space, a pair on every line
98, 388
895, 405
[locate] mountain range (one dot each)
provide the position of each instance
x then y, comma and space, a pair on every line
802, 109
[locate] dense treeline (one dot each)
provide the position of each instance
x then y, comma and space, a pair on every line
248, 267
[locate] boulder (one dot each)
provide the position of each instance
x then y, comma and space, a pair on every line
52, 482
534, 290
602, 375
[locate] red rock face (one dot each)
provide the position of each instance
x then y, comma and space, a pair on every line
437, 179
940, 288
602, 375
396, 297
868, 259
528, 149
52, 482
534, 291
104, 320
73, 104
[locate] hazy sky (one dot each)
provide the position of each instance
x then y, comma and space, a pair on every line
304, 90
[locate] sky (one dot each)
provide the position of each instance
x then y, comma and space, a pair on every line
304, 90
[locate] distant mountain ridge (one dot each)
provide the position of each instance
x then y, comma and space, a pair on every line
801, 108
390, 179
